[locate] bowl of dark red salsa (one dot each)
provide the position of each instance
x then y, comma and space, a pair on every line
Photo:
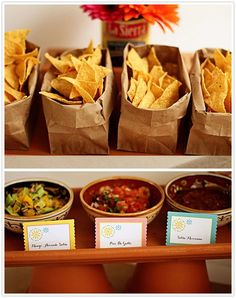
201, 193
122, 197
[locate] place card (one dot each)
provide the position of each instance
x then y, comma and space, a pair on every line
120, 232
190, 228
49, 235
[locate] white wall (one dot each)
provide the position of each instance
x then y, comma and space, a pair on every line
80, 179
201, 25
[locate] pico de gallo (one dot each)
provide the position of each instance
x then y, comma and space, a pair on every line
121, 199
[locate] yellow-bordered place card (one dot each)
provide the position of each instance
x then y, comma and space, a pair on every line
121, 232
49, 235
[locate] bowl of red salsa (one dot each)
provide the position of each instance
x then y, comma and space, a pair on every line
201, 193
122, 197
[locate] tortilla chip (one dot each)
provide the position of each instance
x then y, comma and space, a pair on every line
86, 72
132, 89
100, 88
169, 96
89, 49
14, 93
208, 77
74, 93
8, 98
96, 57
228, 58
89, 87
62, 86
228, 100
60, 99
18, 36
147, 100
218, 92
70, 84
14, 44
61, 65
19, 58
73, 61
87, 98
156, 73
69, 74
10, 76
137, 74
135, 62
166, 80
220, 60
203, 83
156, 90
140, 92
208, 64
24, 68
12, 48
152, 59
101, 72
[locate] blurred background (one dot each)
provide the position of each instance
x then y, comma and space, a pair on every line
53, 26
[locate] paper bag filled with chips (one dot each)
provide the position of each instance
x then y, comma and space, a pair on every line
155, 97
21, 61
211, 82
77, 94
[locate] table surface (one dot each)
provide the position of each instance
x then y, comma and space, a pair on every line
87, 254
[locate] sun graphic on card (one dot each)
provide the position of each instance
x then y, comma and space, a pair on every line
178, 224
36, 234
108, 231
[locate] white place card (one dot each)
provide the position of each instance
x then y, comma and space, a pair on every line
121, 232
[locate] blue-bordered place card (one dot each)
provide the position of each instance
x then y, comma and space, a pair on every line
191, 228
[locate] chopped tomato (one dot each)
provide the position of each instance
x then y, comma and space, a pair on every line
121, 199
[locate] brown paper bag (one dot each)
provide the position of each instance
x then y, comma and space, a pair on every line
17, 114
79, 129
210, 133
148, 130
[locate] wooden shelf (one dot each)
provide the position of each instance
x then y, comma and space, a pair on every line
86, 253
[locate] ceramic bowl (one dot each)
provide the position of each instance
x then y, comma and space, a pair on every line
156, 198
204, 180
15, 223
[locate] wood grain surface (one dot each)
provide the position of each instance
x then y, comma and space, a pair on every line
86, 253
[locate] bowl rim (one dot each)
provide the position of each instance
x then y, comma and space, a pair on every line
113, 178
41, 216
173, 202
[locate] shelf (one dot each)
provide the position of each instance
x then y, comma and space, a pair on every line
86, 253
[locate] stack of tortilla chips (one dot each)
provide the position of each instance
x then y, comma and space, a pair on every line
79, 79
18, 65
216, 82
151, 85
